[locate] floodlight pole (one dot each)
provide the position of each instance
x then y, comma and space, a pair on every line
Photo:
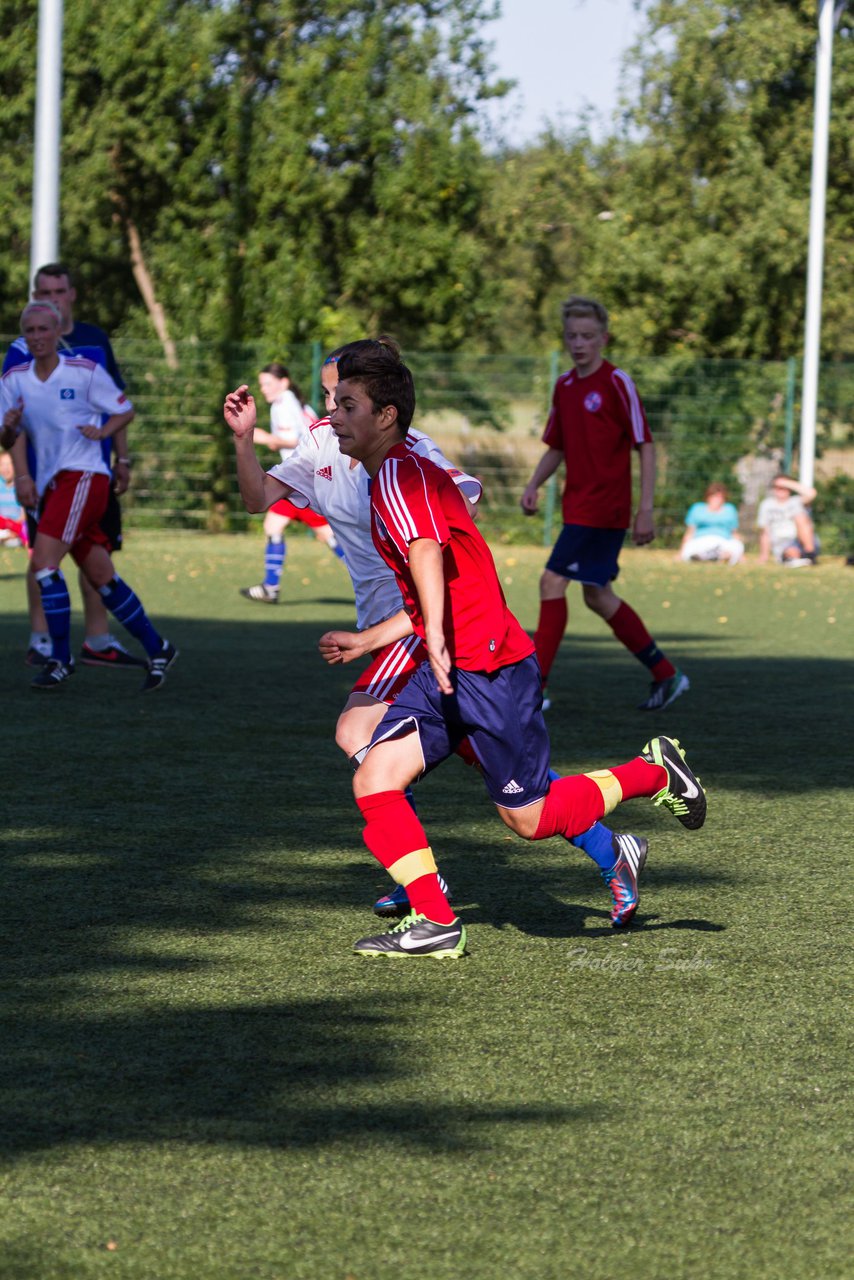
44, 235
815, 261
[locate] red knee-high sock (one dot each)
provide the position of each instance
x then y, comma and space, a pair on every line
397, 840
639, 778
630, 631
574, 804
549, 632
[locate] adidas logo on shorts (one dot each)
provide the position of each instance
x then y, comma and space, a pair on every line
512, 788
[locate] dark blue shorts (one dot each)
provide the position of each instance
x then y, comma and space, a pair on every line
588, 555
500, 713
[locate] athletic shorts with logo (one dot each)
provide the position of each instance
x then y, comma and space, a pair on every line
111, 524
500, 712
586, 554
391, 668
311, 518
72, 508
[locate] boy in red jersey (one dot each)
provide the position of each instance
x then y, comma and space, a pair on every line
481, 680
596, 420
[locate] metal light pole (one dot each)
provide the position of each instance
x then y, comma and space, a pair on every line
44, 237
828, 12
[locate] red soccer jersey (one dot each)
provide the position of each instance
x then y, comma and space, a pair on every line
413, 498
597, 421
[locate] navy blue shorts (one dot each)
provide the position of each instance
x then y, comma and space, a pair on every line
588, 555
500, 712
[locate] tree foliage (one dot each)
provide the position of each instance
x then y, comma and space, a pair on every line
294, 170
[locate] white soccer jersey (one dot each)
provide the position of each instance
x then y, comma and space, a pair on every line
77, 394
323, 479
286, 416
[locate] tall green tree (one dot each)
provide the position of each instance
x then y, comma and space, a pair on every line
707, 247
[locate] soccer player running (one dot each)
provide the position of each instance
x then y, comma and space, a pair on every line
290, 418
596, 419
481, 680
58, 402
54, 283
318, 473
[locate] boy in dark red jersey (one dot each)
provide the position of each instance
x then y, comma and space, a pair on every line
481, 680
596, 420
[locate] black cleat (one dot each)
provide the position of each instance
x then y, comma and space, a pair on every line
158, 667
683, 796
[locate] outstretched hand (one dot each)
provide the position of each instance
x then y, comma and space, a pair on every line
341, 646
239, 412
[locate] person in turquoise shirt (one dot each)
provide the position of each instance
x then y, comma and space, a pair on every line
711, 529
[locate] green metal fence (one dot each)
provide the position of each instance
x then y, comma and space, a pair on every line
733, 421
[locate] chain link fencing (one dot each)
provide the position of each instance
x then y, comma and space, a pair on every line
713, 420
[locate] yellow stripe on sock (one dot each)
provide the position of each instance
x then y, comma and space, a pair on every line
412, 865
612, 792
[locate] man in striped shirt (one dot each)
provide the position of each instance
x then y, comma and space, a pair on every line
596, 419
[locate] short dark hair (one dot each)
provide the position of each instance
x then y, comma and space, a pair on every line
54, 269
376, 364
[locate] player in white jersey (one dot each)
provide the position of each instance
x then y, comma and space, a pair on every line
317, 476
289, 418
58, 403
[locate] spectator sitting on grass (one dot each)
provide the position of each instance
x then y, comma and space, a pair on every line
786, 531
711, 531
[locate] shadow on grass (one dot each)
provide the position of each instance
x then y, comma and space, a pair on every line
133, 823
275, 1074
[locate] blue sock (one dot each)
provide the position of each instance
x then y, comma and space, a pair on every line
274, 561
56, 603
596, 841
126, 607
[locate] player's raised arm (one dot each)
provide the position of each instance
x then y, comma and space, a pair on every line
257, 489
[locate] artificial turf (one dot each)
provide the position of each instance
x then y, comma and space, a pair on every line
200, 1079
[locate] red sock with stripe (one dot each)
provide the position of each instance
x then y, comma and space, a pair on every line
631, 632
574, 804
549, 632
397, 840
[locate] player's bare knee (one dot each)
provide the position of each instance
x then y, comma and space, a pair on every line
552, 585
523, 821
600, 600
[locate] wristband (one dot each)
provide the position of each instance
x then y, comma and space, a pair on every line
124, 461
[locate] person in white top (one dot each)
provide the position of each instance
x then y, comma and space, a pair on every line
58, 402
786, 531
317, 476
289, 419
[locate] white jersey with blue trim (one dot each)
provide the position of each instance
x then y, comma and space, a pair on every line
322, 478
76, 394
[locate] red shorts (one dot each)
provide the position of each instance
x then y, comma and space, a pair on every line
391, 668
286, 508
72, 507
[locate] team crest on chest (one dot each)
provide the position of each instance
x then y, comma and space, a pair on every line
592, 401
66, 393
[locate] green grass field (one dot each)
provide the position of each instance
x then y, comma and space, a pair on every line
201, 1081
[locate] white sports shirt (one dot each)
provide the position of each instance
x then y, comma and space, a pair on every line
77, 394
323, 479
286, 415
